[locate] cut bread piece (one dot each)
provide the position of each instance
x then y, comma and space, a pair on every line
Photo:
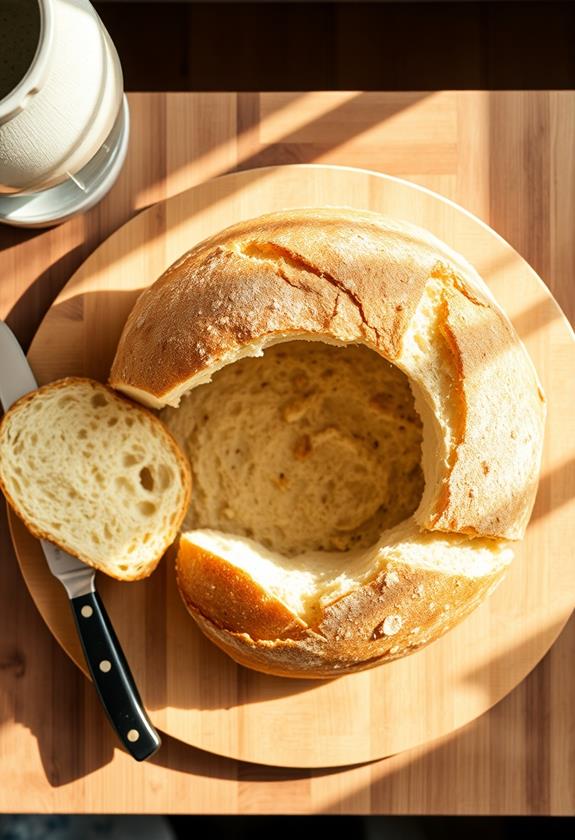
95, 474
322, 615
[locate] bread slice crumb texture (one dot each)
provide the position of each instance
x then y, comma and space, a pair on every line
95, 474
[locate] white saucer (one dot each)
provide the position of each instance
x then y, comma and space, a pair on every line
75, 195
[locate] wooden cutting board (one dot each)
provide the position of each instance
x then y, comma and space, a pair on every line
191, 689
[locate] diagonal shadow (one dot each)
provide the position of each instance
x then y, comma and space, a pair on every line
296, 145
511, 755
20, 249
38, 296
530, 182
536, 317
11, 237
100, 748
120, 303
556, 489
294, 124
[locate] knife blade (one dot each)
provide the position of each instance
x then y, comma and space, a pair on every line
104, 656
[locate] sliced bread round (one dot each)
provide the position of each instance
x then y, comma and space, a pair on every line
95, 474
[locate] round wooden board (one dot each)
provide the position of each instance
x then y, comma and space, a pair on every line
191, 689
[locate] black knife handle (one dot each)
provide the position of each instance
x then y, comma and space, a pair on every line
113, 678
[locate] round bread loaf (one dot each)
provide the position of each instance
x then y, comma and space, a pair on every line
307, 554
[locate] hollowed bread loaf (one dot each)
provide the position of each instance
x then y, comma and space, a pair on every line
364, 429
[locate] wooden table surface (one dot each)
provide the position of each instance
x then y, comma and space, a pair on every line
507, 157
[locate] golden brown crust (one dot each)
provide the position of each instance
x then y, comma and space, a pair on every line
329, 272
350, 276
150, 419
400, 611
230, 594
493, 479
345, 276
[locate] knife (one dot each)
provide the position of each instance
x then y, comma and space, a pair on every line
104, 656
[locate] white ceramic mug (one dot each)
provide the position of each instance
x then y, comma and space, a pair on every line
62, 110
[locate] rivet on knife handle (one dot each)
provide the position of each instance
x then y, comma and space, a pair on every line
112, 677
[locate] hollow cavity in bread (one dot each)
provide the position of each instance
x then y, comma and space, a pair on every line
347, 278
308, 448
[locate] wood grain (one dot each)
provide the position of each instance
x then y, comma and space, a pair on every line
515, 759
194, 692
